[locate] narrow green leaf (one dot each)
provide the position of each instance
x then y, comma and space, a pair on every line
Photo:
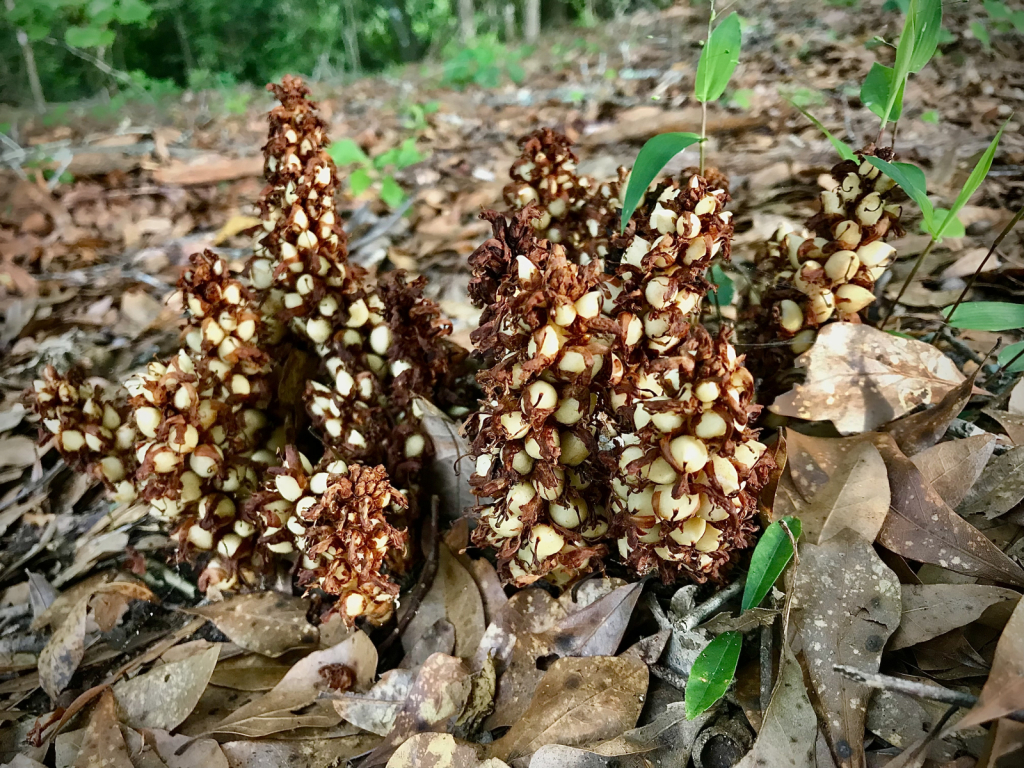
973, 181
841, 146
980, 33
955, 229
359, 181
718, 60
987, 316
347, 152
391, 193
904, 58
726, 289
927, 25
712, 673
771, 556
911, 180
654, 156
1011, 352
874, 93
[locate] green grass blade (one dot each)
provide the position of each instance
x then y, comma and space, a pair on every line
712, 673
771, 556
973, 181
654, 156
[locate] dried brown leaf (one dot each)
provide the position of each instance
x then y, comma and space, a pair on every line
451, 466
856, 496
1012, 423
308, 753
375, 710
919, 431
953, 467
264, 622
790, 726
184, 752
845, 603
921, 527
166, 695
1000, 487
249, 672
434, 750
579, 701
860, 378
1003, 692
930, 610
103, 745
64, 651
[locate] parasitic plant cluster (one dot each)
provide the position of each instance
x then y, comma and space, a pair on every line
215, 439
611, 412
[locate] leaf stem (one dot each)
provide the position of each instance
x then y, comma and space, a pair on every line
906, 283
995, 244
703, 132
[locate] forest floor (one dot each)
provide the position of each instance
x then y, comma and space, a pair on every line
90, 252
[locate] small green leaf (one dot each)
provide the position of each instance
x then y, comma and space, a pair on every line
927, 25
874, 93
955, 229
347, 152
718, 60
973, 181
390, 192
88, 37
1011, 352
359, 181
771, 556
841, 146
712, 673
741, 98
654, 156
980, 33
931, 116
987, 316
911, 180
726, 289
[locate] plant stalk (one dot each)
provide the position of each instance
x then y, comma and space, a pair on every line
906, 283
703, 132
995, 244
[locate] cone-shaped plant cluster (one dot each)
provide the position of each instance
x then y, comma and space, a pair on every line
828, 272
208, 438
667, 462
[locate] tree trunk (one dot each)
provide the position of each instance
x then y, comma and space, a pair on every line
510, 22
350, 36
30, 63
531, 21
467, 20
186, 49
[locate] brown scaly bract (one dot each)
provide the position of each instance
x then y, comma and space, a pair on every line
673, 402
827, 272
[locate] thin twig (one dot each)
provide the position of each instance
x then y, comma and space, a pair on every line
916, 689
426, 580
1009, 363
671, 677
792, 540
906, 283
694, 618
995, 244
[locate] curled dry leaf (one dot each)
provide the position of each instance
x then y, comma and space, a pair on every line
860, 378
453, 596
375, 710
166, 695
790, 727
920, 431
183, 752
434, 750
264, 622
930, 610
103, 745
64, 651
1000, 487
1012, 423
953, 467
579, 701
1004, 690
276, 710
845, 603
451, 466
668, 739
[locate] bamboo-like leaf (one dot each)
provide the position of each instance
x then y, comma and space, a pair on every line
718, 60
988, 316
654, 156
911, 180
712, 673
973, 181
927, 26
771, 556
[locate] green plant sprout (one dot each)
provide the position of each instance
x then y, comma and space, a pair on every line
715, 67
347, 152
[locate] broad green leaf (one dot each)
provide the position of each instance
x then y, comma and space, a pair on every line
996, 9
408, 154
911, 180
391, 193
347, 152
1011, 352
874, 93
973, 181
955, 229
927, 25
132, 11
987, 316
718, 60
88, 37
359, 181
712, 673
726, 290
841, 146
771, 556
654, 156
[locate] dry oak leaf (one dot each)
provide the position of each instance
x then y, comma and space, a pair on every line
790, 727
299, 753
437, 750
860, 378
1003, 692
1000, 487
930, 610
954, 467
268, 623
856, 496
375, 710
167, 694
103, 745
920, 431
580, 701
844, 604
